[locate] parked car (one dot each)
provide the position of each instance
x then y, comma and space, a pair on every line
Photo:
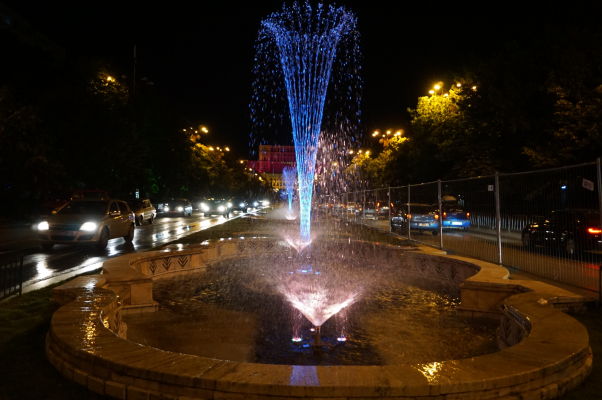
143, 210
172, 207
87, 222
455, 218
421, 217
572, 230
213, 206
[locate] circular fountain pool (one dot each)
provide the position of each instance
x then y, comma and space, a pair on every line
371, 307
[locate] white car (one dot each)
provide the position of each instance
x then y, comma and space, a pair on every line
87, 222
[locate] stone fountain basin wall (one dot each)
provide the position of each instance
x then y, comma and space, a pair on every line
86, 341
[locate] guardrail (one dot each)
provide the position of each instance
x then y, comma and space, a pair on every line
11, 274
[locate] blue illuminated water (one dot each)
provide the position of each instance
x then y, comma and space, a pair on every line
307, 38
289, 176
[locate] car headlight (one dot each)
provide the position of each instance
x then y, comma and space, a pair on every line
43, 226
166, 208
204, 207
229, 205
89, 226
241, 205
180, 209
221, 208
255, 204
266, 203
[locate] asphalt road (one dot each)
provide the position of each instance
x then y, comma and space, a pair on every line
581, 270
43, 268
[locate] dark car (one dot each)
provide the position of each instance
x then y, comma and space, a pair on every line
87, 222
143, 210
214, 206
421, 217
181, 207
570, 230
240, 205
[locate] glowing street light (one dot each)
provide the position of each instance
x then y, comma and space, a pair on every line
227, 148
458, 84
204, 129
431, 92
109, 78
437, 86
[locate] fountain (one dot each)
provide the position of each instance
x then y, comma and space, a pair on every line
289, 176
231, 336
306, 38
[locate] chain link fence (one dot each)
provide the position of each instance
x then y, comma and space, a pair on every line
544, 222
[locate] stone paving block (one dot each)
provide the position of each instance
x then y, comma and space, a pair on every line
134, 393
115, 389
80, 377
96, 385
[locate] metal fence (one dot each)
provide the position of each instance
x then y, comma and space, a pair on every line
11, 274
544, 222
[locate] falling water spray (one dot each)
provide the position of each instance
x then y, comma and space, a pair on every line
307, 38
289, 176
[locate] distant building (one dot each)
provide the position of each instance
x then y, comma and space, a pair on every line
272, 159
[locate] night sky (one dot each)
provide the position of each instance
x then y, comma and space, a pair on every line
200, 56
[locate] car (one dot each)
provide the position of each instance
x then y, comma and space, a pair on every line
143, 211
175, 207
370, 212
239, 205
571, 230
455, 218
87, 222
382, 212
421, 217
214, 206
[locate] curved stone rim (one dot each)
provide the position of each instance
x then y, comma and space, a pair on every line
83, 343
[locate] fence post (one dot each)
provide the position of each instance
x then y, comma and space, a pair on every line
440, 205
599, 176
390, 206
409, 215
498, 219
364, 206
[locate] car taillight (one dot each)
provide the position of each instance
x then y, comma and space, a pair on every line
437, 216
409, 216
445, 214
467, 215
594, 231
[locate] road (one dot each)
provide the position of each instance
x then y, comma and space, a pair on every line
582, 270
43, 268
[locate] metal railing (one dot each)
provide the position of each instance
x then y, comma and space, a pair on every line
11, 274
499, 211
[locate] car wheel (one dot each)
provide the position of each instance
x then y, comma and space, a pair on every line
47, 246
130, 236
139, 221
103, 240
570, 247
151, 220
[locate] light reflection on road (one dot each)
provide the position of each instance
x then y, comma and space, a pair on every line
45, 268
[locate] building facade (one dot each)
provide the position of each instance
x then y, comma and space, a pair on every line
272, 159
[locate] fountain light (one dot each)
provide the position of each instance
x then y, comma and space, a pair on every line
297, 339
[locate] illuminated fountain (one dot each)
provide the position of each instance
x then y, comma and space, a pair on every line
289, 176
304, 41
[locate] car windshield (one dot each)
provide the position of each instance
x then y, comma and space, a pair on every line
84, 208
136, 203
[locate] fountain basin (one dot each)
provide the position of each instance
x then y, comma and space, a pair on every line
547, 351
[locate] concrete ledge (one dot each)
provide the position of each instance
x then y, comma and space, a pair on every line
546, 351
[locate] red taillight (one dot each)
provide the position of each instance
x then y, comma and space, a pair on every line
594, 231
437, 216
445, 214
409, 216
467, 215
